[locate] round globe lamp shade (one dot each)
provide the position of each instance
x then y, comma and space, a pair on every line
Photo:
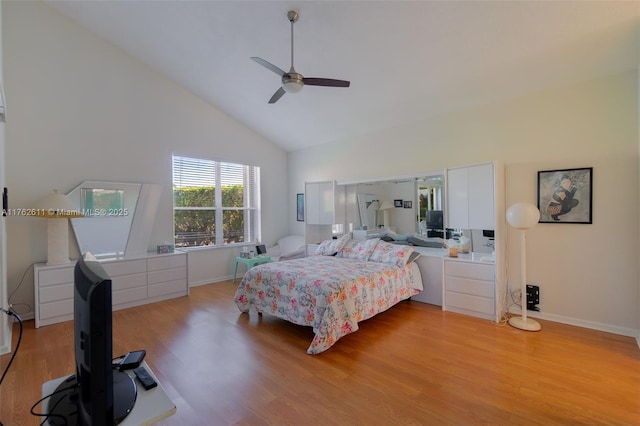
292, 87
523, 215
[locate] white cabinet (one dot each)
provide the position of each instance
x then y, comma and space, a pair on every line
469, 288
470, 197
457, 198
319, 203
134, 281
324, 206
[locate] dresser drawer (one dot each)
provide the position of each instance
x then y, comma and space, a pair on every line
168, 287
155, 277
54, 293
470, 286
167, 262
478, 271
56, 309
128, 295
127, 267
470, 302
128, 281
55, 276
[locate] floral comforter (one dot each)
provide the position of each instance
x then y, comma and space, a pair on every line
329, 293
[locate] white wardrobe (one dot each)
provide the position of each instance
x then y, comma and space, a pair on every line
475, 284
324, 206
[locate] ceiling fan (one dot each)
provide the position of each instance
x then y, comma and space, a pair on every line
292, 81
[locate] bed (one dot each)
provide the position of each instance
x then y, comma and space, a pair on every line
334, 290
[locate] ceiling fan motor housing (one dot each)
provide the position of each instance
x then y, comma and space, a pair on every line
292, 82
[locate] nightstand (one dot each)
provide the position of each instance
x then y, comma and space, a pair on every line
250, 262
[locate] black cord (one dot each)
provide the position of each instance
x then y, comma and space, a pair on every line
24, 274
47, 416
17, 317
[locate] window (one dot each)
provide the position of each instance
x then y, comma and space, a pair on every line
215, 203
431, 215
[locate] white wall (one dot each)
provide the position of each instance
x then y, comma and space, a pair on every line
83, 110
5, 330
588, 274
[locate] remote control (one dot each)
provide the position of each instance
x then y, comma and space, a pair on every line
145, 378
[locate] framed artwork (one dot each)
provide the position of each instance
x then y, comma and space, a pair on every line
565, 196
300, 207
407, 204
397, 203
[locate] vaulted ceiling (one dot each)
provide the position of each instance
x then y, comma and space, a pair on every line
406, 60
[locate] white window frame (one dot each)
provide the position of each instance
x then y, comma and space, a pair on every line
251, 199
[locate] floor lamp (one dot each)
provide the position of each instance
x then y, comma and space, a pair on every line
56, 208
523, 216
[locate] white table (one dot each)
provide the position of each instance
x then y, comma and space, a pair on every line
250, 262
151, 405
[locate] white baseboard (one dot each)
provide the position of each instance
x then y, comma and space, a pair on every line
28, 316
609, 328
212, 281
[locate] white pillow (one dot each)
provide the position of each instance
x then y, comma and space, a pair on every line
391, 253
358, 249
331, 247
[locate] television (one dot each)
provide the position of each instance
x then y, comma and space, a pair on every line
434, 219
97, 394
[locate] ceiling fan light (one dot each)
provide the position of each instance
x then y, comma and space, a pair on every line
292, 87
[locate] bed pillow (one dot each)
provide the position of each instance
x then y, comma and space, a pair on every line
331, 247
358, 249
391, 253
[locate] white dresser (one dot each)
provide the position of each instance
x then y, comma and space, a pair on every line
135, 281
469, 287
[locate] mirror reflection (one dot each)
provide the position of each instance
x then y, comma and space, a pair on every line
410, 205
430, 206
416, 214
108, 209
368, 207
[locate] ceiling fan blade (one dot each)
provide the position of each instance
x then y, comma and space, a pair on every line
268, 65
277, 95
329, 82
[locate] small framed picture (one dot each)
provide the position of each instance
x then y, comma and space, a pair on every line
408, 204
397, 203
300, 207
565, 196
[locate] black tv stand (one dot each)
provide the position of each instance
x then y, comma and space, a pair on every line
63, 405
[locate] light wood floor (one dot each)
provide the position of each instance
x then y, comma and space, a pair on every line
411, 365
